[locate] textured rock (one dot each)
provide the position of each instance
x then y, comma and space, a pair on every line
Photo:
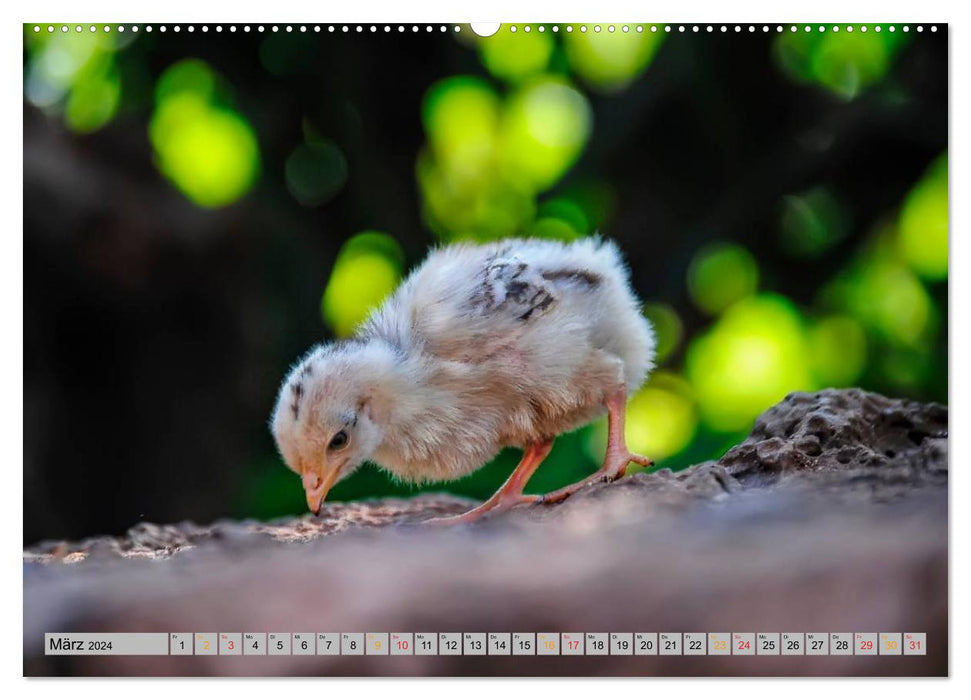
831, 516
850, 432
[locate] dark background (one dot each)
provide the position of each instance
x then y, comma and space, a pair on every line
156, 331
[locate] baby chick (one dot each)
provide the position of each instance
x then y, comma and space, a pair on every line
483, 347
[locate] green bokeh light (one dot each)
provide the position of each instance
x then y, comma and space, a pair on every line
751, 358
56, 61
189, 76
922, 229
610, 61
812, 223
545, 126
482, 209
844, 62
554, 228
720, 275
886, 296
94, 98
514, 57
74, 74
315, 172
488, 157
905, 368
594, 198
661, 417
367, 269
668, 328
207, 150
837, 350
567, 210
461, 118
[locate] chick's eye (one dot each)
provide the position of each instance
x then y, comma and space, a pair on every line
339, 440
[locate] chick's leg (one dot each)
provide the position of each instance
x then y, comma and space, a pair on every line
617, 457
511, 492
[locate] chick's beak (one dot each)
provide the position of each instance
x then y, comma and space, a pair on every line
317, 486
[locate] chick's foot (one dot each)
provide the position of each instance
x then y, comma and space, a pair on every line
617, 457
613, 469
487, 508
510, 493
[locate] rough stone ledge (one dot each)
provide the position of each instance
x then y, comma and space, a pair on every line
831, 516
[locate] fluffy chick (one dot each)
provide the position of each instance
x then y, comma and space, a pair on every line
507, 344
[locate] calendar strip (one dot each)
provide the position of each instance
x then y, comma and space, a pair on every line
488, 644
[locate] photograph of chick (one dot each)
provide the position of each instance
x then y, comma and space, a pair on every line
482, 347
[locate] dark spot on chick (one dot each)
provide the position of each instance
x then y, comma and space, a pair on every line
515, 288
585, 276
297, 393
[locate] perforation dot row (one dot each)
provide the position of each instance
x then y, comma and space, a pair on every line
387, 28
694, 28
302, 28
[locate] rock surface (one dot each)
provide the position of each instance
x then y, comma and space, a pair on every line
831, 516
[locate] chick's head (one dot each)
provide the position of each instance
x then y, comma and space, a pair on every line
324, 422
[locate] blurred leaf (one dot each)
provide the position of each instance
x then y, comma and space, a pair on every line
610, 61
208, 151
315, 172
753, 356
567, 211
720, 275
516, 56
668, 328
922, 229
95, 97
812, 223
554, 228
74, 73
843, 62
884, 295
461, 118
367, 269
545, 126
484, 209
837, 350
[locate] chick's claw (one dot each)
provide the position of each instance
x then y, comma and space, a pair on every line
613, 469
481, 511
510, 493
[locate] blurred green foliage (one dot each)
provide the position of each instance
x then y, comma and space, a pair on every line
837, 350
845, 62
720, 275
315, 172
922, 231
668, 328
74, 75
610, 61
753, 355
812, 223
202, 145
489, 155
513, 57
367, 269
501, 148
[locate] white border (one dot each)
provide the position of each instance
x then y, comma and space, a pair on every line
604, 11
